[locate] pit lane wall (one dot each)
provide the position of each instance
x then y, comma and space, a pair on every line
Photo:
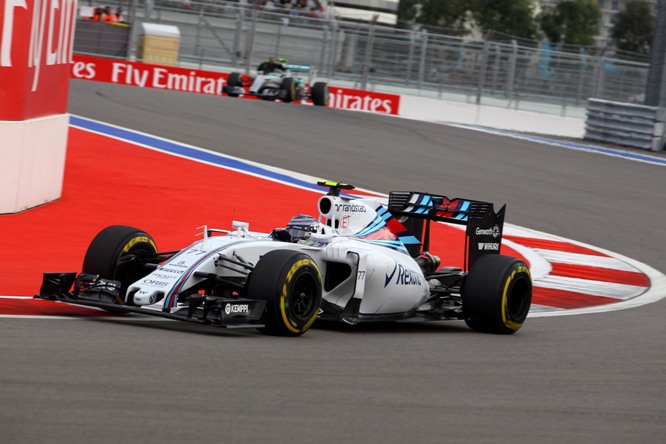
35, 53
419, 108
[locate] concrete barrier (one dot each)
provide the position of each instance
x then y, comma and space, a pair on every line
35, 57
33, 161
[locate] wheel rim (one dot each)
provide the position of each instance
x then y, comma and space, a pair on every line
131, 261
131, 265
302, 298
518, 302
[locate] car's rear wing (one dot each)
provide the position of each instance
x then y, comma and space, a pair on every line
484, 225
299, 68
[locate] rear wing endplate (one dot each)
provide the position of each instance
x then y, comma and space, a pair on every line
484, 225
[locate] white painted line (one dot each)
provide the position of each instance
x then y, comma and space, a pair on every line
536, 308
590, 287
656, 291
544, 140
539, 266
588, 260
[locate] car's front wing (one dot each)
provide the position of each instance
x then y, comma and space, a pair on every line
91, 291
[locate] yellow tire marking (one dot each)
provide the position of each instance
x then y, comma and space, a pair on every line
135, 240
508, 323
283, 296
285, 320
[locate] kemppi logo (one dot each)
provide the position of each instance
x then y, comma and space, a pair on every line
51, 32
362, 100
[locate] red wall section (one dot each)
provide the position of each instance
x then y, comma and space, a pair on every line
35, 52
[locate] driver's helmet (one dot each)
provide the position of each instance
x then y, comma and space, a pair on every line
281, 60
301, 227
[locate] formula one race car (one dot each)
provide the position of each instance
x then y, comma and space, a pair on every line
278, 84
361, 259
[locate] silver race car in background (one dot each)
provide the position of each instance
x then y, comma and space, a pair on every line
358, 260
279, 83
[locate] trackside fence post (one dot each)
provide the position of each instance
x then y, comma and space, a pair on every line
511, 70
367, 62
422, 61
484, 66
238, 32
410, 57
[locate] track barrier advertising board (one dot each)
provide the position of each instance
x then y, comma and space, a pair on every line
35, 53
172, 78
36, 40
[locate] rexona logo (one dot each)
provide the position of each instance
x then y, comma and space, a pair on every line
360, 100
404, 276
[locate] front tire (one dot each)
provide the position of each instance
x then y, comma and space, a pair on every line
288, 89
116, 253
233, 81
497, 294
320, 94
290, 283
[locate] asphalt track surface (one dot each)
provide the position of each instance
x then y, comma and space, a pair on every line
596, 378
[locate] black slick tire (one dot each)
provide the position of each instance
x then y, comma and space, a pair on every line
115, 253
320, 94
233, 81
497, 294
290, 283
288, 89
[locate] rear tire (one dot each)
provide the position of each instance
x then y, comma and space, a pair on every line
290, 283
116, 253
497, 294
320, 94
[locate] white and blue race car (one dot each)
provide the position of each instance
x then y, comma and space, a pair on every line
361, 259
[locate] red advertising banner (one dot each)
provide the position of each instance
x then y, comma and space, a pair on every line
209, 82
146, 75
361, 100
35, 52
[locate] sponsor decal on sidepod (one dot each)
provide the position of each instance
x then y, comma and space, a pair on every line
404, 277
